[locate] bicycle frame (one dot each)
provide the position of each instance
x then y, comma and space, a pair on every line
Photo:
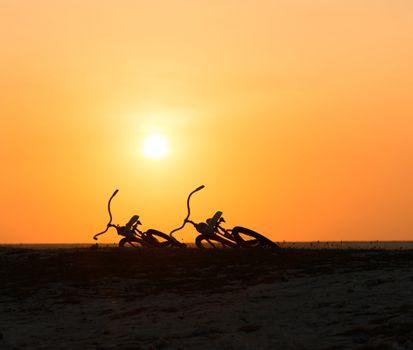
224, 236
223, 239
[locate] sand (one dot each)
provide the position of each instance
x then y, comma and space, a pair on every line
193, 299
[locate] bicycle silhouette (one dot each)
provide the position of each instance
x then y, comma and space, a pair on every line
133, 237
213, 235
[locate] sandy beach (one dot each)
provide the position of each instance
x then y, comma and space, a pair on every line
109, 298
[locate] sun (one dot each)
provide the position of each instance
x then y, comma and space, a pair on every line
155, 146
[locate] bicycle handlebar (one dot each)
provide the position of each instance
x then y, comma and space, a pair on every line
110, 216
95, 237
189, 210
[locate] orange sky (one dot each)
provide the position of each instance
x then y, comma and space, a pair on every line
297, 115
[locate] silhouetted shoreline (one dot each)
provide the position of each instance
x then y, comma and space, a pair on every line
363, 245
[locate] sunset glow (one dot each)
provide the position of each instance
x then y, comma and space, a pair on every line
155, 146
296, 115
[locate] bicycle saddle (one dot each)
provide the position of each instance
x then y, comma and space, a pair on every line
214, 220
134, 219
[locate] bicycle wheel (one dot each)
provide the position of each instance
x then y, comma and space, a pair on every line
129, 243
206, 241
250, 239
161, 240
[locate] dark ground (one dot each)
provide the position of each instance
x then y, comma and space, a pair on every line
69, 278
24, 270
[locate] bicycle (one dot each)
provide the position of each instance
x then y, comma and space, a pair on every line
213, 235
133, 237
